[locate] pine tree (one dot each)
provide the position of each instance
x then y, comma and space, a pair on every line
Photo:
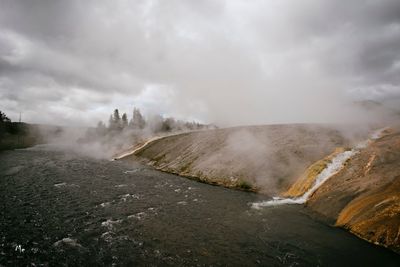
115, 121
138, 122
116, 117
169, 124
3, 117
124, 120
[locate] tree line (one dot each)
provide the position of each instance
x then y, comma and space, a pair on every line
138, 122
7, 126
15, 134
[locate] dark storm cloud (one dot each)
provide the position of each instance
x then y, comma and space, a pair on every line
43, 19
231, 62
370, 33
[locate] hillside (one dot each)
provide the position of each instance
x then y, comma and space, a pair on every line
364, 197
259, 158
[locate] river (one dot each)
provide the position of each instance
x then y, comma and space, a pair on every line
61, 208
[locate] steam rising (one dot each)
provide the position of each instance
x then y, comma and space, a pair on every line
224, 62
333, 167
227, 63
120, 138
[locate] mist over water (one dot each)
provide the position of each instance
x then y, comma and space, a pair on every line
119, 137
286, 82
186, 60
224, 62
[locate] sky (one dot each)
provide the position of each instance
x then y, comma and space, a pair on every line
225, 62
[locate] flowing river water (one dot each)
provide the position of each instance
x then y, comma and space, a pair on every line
60, 208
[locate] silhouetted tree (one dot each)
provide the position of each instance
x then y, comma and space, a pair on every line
115, 121
168, 125
4, 118
124, 120
5, 124
117, 118
154, 123
138, 122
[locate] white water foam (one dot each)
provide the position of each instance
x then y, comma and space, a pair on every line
67, 241
110, 223
331, 169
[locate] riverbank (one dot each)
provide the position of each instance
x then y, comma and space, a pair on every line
360, 193
361, 196
364, 197
14, 135
265, 159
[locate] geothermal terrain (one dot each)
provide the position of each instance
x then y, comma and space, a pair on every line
362, 196
266, 159
60, 207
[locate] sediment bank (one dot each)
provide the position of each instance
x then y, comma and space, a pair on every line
266, 159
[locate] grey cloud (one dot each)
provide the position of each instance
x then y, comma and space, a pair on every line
229, 62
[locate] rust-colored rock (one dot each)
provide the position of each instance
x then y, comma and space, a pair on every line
307, 179
375, 216
364, 197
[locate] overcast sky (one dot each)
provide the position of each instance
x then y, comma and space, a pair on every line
227, 62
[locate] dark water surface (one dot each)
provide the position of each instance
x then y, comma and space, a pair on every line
59, 208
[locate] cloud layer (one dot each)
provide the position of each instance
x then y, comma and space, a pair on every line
228, 62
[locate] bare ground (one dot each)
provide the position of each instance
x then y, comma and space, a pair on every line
266, 159
364, 197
